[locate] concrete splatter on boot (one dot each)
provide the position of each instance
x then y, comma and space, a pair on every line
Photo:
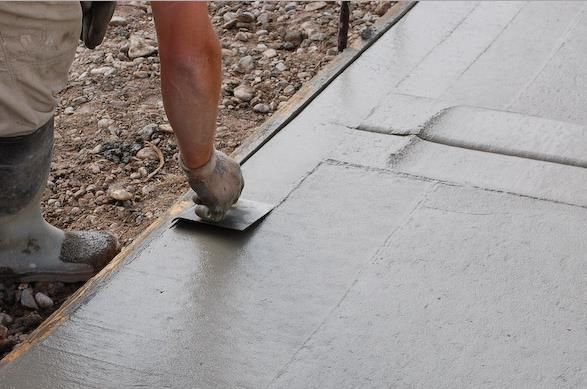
30, 248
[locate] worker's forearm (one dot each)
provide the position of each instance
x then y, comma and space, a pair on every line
191, 90
190, 76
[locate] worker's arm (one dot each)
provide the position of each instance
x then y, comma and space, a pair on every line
190, 84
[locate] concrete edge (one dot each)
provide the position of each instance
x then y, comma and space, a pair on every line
91, 286
260, 137
316, 85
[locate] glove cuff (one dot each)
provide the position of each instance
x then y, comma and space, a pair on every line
202, 172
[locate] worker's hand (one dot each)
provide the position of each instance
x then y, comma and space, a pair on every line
95, 18
218, 185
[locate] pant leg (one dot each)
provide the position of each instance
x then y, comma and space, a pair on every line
38, 41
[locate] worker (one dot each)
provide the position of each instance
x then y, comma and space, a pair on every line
38, 42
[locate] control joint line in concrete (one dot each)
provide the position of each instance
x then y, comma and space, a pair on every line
561, 160
439, 139
401, 173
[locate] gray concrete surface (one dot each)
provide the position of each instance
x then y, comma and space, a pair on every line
430, 233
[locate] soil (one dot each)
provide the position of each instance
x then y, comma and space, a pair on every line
111, 125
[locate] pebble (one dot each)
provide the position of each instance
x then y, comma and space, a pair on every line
309, 27
246, 64
140, 74
291, 7
97, 149
242, 36
138, 47
262, 108
246, 17
104, 70
145, 190
317, 36
270, 53
95, 168
118, 21
315, 6
68, 111
43, 300
27, 300
146, 133
244, 92
367, 33
142, 171
119, 194
166, 127
289, 90
332, 51
230, 24
294, 37
281, 67
5, 318
264, 19
382, 8
104, 123
246, 26
229, 16
147, 153
228, 53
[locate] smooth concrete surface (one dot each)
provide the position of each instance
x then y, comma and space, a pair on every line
390, 261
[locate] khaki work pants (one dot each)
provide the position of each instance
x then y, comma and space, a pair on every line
37, 46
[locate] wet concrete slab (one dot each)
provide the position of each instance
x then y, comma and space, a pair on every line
475, 289
392, 260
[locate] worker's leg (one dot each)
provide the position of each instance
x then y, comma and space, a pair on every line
30, 248
37, 45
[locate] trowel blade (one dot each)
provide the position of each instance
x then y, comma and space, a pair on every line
241, 216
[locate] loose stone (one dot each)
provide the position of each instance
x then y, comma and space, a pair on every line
315, 6
43, 300
246, 64
270, 53
139, 47
261, 108
166, 127
147, 153
242, 36
244, 93
27, 299
246, 17
119, 194
294, 37
118, 21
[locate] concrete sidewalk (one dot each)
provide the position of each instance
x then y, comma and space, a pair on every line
431, 232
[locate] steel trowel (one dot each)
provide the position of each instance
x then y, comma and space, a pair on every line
239, 217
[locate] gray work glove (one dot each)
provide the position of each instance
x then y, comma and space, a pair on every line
218, 185
95, 18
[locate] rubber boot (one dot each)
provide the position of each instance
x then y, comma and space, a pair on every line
30, 248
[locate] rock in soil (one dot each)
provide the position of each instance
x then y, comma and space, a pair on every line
43, 301
18, 321
27, 299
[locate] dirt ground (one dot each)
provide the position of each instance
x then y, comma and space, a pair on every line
112, 132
